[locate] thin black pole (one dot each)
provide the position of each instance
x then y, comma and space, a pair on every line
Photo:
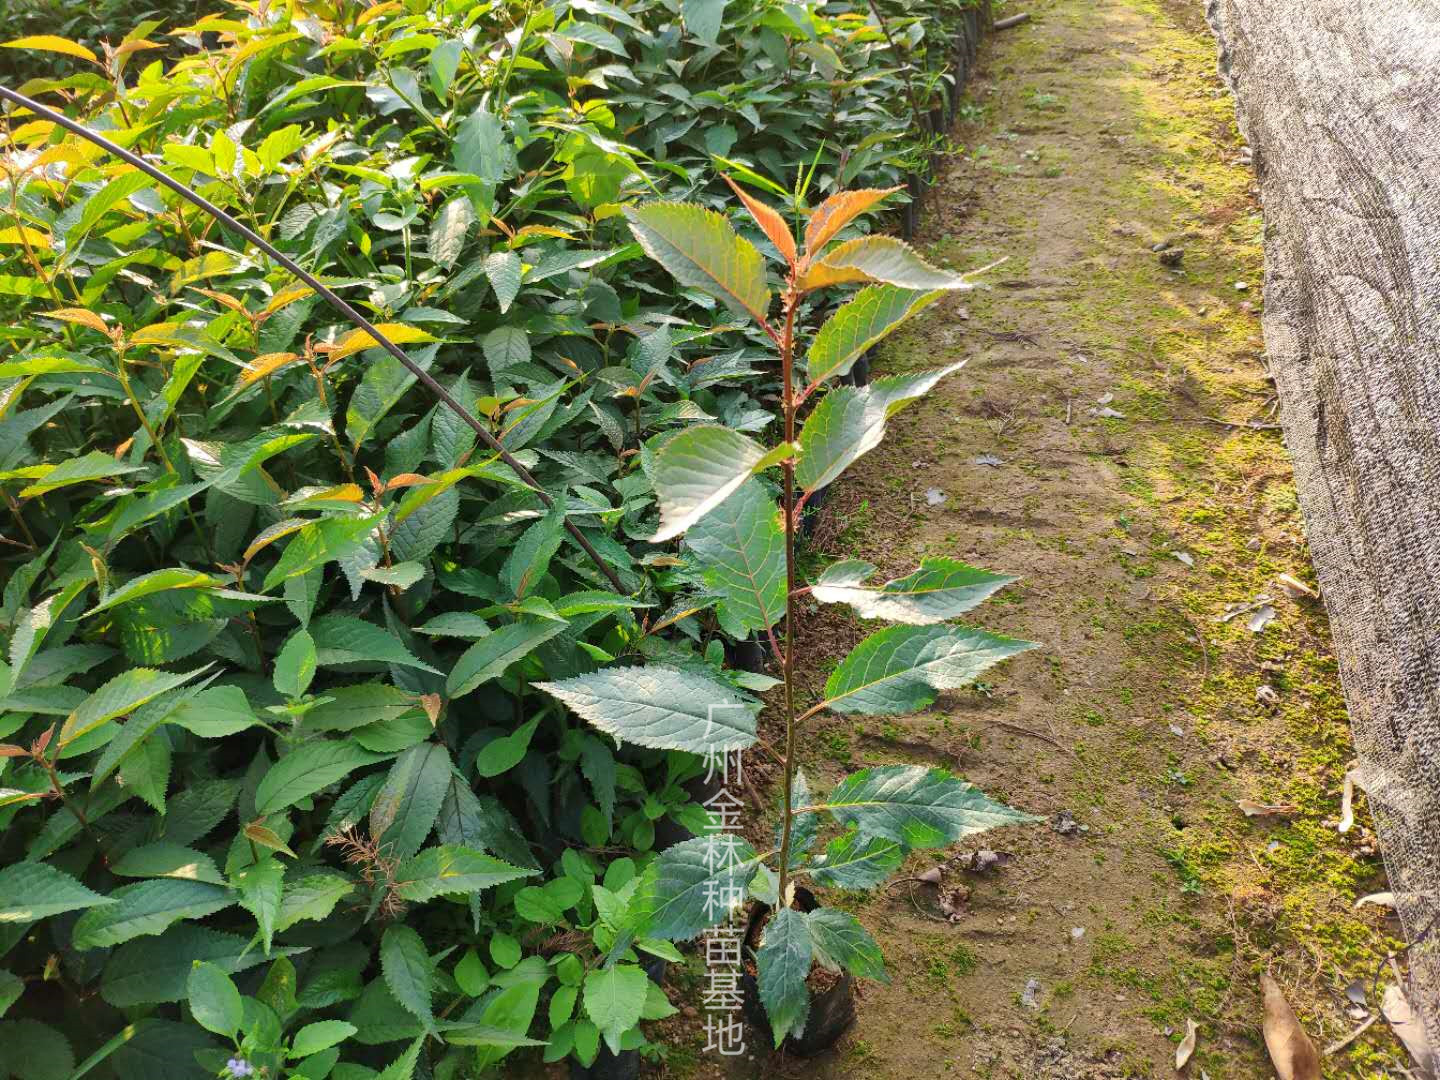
425, 378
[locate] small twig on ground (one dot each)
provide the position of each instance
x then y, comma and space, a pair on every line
1034, 735
1336, 1047
1013, 20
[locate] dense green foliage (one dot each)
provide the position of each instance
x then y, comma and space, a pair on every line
274, 622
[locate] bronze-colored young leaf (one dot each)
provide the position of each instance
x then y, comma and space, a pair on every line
838, 211
770, 222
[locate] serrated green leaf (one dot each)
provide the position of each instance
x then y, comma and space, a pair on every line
859, 325
318, 543
408, 803
295, 665
697, 470
840, 942
345, 639
214, 1001
489, 657
614, 998
380, 389
307, 769
164, 858
452, 224
151, 970
740, 547
503, 270
941, 589
122, 694
261, 886
701, 250
530, 558
35, 890
407, 969
320, 1035
311, 899
449, 869
35, 1051
95, 465
916, 806
691, 885
157, 581
145, 908
783, 964
901, 669
661, 707
850, 422
881, 259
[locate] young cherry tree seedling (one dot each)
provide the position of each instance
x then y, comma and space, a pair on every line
707, 487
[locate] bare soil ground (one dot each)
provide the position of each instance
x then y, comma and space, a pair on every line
1111, 441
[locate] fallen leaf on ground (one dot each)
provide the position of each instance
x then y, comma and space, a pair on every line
1259, 619
1184, 557
1291, 1050
1405, 1022
1241, 608
1251, 808
1187, 1045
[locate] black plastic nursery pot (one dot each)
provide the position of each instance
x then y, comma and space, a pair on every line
832, 1010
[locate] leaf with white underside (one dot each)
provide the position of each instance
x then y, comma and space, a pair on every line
740, 547
916, 806
614, 998
879, 259
677, 897
438, 871
941, 589
841, 942
660, 707
900, 669
783, 962
148, 907
701, 250
866, 320
701, 467
850, 422
33, 890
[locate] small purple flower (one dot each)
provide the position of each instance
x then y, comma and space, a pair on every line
239, 1068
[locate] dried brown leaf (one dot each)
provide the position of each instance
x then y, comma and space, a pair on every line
1291, 1051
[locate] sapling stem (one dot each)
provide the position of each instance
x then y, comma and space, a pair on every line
787, 359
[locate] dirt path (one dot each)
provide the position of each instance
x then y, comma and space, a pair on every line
1095, 133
